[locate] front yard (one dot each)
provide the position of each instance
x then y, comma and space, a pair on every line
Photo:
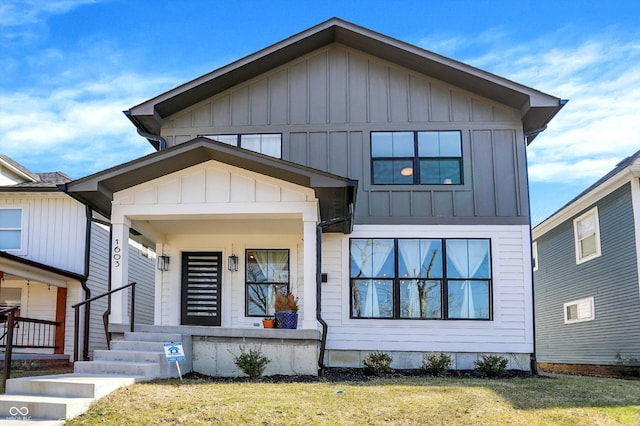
544, 400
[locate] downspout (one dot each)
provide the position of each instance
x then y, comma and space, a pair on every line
323, 323
87, 290
162, 142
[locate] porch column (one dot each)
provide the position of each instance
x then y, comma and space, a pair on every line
119, 270
309, 302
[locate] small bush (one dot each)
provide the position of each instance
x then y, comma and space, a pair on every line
252, 363
436, 364
377, 363
492, 365
626, 367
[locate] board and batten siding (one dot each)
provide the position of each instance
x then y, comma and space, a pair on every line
611, 279
325, 105
510, 330
55, 226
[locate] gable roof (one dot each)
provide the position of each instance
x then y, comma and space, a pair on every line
624, 171
336, 194
32, 181
537, 108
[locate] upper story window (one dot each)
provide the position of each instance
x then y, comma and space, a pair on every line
534, 255
266, 143
421, 278
11, 229
586, 230
267, 272
416, 158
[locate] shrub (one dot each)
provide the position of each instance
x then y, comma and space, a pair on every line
626, 367
252, 363
377, 363
492, 365
436, 364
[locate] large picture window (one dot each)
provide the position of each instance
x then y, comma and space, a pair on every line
412, 158
267, 272
11, 229
267, 143
420, 278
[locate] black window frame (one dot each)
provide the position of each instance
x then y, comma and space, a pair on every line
416, 159
239, 136
444, 287
280, 285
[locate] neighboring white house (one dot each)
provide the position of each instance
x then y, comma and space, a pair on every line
383, 184
53, 254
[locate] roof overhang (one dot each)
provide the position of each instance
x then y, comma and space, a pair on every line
36, 271
536, 108
336, 194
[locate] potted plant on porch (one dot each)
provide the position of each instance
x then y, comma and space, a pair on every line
269, 322
286, 307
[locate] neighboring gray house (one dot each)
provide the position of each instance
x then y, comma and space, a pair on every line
587, 292
384, 185
46, 265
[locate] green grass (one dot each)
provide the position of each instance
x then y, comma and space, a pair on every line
551, 400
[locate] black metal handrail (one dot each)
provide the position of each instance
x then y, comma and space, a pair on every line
31, 333
85, 302
9, 314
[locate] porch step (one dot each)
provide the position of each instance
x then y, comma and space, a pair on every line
51, 399
148, 370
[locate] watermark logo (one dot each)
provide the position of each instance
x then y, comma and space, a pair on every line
19, 413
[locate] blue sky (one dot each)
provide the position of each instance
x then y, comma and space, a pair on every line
68, 68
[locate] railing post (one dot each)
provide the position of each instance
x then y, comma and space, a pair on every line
133, 307
76, 332
8, 347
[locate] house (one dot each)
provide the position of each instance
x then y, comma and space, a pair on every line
587, 291
53, 254
384, 185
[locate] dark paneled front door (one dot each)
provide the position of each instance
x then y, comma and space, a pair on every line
201, 282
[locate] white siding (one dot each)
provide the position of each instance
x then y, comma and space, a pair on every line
510, 331
55, 224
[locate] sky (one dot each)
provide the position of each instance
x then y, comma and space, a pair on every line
68, 68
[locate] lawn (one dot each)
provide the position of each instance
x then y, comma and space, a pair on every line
545, 400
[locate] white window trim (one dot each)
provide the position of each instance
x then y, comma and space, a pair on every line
589, 300
24, 220
576, 221
534, 255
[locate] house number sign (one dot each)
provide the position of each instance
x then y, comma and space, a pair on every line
116, 256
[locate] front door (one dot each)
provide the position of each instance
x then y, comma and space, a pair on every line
201, 282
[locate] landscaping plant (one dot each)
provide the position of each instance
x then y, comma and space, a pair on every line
377, 363
435, 364
252, 363
492, 365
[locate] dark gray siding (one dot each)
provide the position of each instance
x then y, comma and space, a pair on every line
612, 279
326, 104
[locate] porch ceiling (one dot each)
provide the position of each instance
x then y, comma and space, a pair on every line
222, 224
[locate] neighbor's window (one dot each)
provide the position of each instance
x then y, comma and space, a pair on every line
420, 278
412, 158
268, 144
587, 236
11, 229
534, 254
267, 272
579, 310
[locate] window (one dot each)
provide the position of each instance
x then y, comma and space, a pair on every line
420, 278
267, 272
579, 311
11, 229
587, 236
268, 144
412, 158
534, 254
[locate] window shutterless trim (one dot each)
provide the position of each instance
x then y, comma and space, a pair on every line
265, 283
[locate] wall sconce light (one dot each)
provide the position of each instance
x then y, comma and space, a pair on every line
233, 263
163, 263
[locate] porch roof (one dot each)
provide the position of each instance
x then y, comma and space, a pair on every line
336, 194
29, 269
536, 108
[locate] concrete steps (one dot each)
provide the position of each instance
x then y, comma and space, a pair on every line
49, 400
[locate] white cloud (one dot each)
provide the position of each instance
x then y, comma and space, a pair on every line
598, 73
15, 13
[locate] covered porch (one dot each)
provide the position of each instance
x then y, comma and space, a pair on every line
232, 227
